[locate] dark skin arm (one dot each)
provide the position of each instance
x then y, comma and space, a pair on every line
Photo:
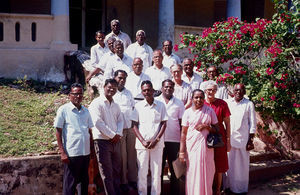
92, 155
115, 139
63, 154
182, 149
250, 145
155, 139
91, 74
211, 128
138, 134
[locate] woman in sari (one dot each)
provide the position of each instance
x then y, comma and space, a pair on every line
197, 122
223, 114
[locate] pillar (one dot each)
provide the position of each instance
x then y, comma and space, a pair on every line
234, 9
165, 21
61, 31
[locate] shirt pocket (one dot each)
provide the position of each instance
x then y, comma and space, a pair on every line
156, 117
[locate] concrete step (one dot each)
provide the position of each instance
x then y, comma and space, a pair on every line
263, 156
265, 170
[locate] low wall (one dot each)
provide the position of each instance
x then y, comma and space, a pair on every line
31, 175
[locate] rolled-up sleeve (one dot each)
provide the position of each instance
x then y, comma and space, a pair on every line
96, 115
252, 118
59, 119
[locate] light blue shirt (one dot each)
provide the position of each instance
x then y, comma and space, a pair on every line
75, 126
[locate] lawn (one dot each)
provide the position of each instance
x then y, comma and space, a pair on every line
26, 117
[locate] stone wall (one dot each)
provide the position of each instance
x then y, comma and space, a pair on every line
31, 175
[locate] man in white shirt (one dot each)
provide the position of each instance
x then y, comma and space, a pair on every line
158, 72
149, 124
193, 79
182, 90
95, 78
169, 57
125, 100
73, 132
141, 49
108, 121
243, 128
98, 50
119, 61
118, 34
175, 110
135, 79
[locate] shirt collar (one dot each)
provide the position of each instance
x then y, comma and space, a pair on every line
145, 103
104, 99
72, 106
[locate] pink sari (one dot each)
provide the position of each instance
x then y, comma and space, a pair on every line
200, 162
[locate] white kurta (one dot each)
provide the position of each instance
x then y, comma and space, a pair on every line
242, 123
144, 52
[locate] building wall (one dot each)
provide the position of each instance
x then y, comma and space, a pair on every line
198, 13
41, 59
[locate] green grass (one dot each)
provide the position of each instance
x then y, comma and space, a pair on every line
26, 118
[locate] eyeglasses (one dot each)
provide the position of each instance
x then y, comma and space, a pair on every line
77, 94
211, 90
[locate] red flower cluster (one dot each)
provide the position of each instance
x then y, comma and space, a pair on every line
223, 78
296, 105
273, 97
270, 71
206, 32
239, 70
274, 50
176, 47
280, 85
255, 28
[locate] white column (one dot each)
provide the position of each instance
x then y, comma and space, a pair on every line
165, 21
234, 8
61, 31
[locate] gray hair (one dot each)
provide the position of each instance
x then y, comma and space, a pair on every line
176, 65
205, 84
114, 20
140, 31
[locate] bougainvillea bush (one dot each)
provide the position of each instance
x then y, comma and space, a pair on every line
262, 55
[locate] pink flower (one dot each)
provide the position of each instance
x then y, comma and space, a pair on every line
270, 71
296, 105
273, 63
230, 52
273, 97
262, 99
176, 47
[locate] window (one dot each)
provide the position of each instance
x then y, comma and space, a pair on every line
1, 31
17, 31
33, 31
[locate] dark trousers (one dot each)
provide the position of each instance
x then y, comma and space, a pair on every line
74, 173
109, 158
170, 153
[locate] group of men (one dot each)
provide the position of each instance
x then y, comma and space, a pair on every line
136, 121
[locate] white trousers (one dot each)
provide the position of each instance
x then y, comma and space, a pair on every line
152, 158
238, 173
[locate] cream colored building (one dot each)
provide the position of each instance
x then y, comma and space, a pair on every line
35, 34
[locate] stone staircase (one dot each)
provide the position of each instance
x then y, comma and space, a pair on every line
268, 165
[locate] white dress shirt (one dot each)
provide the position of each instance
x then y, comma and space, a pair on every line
97, 52
194, 82
157, 76
75, 126
121, 36
242, 121
107, 118
144, 52
133, 83
104, 60
183, 92
175, 109
149, 117
125, 100
116, 63
168, 61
